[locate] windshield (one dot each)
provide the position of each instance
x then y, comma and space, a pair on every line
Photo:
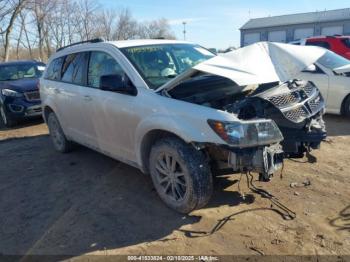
332, 60
157, 64
20, 71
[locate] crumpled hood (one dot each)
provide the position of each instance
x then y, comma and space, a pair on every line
260, 63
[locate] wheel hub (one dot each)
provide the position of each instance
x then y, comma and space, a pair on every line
171, 177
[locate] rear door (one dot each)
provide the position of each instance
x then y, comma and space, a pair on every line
73, 78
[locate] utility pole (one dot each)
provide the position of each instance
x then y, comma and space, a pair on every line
184, 31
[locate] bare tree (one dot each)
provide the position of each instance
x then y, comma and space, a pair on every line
86, 19
156, 29
14, 8
63, 24
36, 27
126, 27
27, 43
5, 10
41, 10
106, 24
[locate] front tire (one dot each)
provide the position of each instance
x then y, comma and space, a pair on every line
59, 140
180, 174
7, 121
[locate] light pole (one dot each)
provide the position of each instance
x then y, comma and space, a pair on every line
184, 31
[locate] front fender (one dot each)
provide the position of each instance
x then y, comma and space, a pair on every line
187, 128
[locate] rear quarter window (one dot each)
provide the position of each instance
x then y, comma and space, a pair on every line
54, 69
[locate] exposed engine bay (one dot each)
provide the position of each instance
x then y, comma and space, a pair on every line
296, 107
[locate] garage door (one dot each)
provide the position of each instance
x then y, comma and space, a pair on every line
277, 36
332, 30
251, 38
302, 33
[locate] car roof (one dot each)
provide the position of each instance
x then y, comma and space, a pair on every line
119, 44
328, 37
80, 46
143, 42
21, 62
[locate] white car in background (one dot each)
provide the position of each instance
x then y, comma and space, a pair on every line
331, 74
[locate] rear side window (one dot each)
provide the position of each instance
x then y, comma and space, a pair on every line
73, 68
54, 70
320, 44
101, 64
346, 42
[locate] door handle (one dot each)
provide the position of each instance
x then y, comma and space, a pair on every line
87, 98
56, 90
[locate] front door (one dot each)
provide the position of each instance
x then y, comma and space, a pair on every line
112, 122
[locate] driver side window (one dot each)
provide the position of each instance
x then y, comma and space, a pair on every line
100, 64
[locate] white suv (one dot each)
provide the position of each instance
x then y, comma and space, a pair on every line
138, 102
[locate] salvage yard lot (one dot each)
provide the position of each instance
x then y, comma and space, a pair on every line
84, 202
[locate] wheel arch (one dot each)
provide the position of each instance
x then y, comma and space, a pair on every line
342, 108
47, 110
148, 140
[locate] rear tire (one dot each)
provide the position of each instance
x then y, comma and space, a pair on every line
6, 120
180, 174
346, 107
59, 140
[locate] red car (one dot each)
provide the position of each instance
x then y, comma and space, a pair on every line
337, 44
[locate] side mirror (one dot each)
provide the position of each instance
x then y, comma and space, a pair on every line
117, 83
310, 69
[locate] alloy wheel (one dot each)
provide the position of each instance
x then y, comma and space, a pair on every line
171, 177
56, 133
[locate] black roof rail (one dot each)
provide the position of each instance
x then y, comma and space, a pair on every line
96, 40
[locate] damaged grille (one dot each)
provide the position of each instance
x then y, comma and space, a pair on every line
315, 104
32, 96
298, 104
309, 89
285, 99
296, 115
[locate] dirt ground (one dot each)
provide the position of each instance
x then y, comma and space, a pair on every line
86, 203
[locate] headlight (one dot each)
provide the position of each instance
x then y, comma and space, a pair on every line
248, 133
11, 93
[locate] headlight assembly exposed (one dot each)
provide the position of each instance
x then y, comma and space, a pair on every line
247, 133
11, 93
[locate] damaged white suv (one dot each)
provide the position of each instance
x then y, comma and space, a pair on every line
180, 113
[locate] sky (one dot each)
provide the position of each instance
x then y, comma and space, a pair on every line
216, 23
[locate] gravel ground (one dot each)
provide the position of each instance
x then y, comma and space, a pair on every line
87, 203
